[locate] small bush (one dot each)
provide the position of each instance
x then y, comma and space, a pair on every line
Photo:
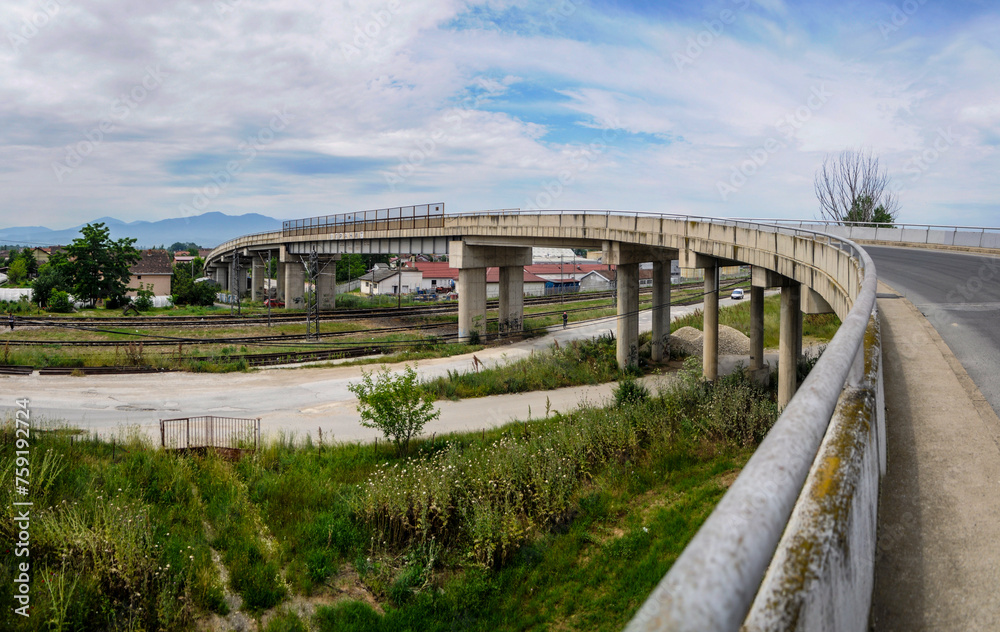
59, 302
143, 301
630, 392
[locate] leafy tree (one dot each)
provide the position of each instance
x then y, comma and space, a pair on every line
11, 256
17, 273
28, 257
394, 404
55, 275
865, 212
101, 265
189, 246
854, 187
351, 266
186, 291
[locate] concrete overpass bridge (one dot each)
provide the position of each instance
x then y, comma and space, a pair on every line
814, 276
792, 543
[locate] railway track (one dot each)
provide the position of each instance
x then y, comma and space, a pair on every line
329, 351
282, 317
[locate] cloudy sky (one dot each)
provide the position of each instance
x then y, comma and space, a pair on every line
292, 109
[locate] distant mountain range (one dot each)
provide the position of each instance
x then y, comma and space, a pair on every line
207, 230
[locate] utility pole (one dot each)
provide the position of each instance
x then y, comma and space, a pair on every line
234, 284
312, 305
267, 278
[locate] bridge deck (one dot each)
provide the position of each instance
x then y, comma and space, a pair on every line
937, 565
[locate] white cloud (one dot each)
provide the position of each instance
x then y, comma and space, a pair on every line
387, 83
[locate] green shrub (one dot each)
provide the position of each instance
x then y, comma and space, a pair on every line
59, 302
630, 392
143, 300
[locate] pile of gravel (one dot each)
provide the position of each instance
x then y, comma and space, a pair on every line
690, 340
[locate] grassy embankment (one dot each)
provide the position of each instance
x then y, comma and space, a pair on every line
566, 522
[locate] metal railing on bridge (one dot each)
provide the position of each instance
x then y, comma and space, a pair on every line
929, 234
398, 218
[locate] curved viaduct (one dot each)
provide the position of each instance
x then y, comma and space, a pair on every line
815, 276
816, 473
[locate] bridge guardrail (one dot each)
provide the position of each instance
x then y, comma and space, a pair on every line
984, 237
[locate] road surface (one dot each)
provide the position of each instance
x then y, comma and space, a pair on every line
960, 295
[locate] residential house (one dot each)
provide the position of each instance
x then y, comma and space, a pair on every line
390, 281
436, 274
152, 272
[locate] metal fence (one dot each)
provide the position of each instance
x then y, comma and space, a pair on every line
227, 434
398, 218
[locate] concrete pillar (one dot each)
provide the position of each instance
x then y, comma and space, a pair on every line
222, 275
628, 314
471, 303
295, 283
757, 369
790, 343
661, 311
511, 298
326, 285
710, 346
279, 280
471, 261
257, 279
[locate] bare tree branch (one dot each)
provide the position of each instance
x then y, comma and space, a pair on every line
852, 187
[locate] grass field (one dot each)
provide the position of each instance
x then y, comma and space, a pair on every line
564, 523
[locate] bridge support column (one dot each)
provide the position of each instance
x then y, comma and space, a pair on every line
710, 327
511, 299
279, 280
661, 311
222, 274
471, 303
326, 285
627, 280
472, 261
758, 372
790, 343
256, 279
627, 257
295, 283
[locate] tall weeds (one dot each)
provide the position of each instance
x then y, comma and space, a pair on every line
487, 500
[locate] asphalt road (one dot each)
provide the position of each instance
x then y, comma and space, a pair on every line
960, 296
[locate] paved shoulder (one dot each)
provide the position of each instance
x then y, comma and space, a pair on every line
938, 564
